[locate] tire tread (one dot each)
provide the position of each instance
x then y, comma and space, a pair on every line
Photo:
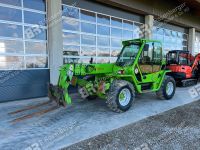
113, 92
160, 93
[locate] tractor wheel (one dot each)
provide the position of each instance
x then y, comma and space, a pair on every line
120, 96
167, 89
91, 97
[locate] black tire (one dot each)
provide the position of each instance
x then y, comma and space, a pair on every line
91, 97
179, 83
162, 93
113, 100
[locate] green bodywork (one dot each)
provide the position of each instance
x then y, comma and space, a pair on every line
104, 74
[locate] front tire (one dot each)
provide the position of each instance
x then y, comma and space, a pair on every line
167, 89
120, 96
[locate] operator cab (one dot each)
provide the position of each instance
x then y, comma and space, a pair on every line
179, 57
144, 57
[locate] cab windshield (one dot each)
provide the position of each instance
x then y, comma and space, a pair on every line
128, 54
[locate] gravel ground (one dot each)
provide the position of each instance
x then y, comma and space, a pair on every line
176, 129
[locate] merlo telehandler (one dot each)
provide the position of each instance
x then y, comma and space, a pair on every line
139, 69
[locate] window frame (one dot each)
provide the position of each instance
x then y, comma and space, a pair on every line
99, 22
167, 42
23, 39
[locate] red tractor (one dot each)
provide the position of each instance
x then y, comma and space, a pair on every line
185, 67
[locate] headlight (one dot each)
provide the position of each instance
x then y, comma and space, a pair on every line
71, 67
136, 71
70, 72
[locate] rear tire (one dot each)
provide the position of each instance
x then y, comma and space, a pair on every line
120, 96
167, 89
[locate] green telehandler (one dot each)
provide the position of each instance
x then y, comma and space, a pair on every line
140, 68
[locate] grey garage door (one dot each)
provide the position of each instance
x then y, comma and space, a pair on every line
18, 85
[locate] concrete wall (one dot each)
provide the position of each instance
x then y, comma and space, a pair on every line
191, 45
55, 40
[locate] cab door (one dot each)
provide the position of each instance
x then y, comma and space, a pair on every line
150, 63
146, 59
157, 57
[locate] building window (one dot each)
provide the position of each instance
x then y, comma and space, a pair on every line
39, 5
10, 14
197, 43
11, 2
171, 40
23, 35
11, 31
88, 34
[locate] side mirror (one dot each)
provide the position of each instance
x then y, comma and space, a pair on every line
91, 60
146, 47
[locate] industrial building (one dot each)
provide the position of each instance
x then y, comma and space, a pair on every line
38, 36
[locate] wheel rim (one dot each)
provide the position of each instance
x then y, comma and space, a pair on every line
169, 88
124, 97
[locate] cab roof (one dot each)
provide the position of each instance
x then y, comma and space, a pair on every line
127, 42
